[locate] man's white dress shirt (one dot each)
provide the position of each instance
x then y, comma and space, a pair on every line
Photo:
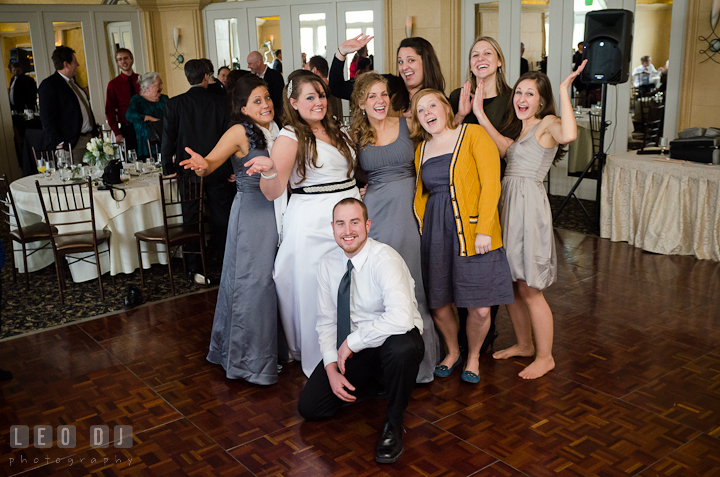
382, 298
642, 74
86, 126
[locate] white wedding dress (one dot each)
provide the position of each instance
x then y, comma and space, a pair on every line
307, 236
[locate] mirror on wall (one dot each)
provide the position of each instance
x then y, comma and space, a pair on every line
226, 42
70, 34
534, 35
21, 80
313, 36
119, 35
649, 64
268, 37
359, 22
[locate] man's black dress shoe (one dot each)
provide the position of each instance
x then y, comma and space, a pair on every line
5, 375
390, 445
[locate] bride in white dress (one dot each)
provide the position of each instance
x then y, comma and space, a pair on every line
316, 158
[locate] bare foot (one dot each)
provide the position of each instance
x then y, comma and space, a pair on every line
514, 350
538, 368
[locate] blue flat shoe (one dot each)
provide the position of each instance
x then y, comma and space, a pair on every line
442, 371
470, 377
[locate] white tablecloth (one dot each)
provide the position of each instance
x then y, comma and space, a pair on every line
662, 206
141, 209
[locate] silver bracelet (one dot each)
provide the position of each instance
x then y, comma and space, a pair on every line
268, 177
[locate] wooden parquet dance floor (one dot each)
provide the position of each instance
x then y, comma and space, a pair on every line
636, 390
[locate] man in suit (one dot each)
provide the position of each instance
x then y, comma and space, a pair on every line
214, 86
277, 64
524, 66
374, 338
65, 111
197, 119
23, 90
120, 91
273, 79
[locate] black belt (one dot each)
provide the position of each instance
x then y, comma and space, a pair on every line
326, 188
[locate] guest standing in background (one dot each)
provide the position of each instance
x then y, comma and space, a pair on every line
214, 86
65, 111
146, 108
361, 53
524, 66
120, 91
244, 334
197, 119
534, 141
23, 89
277, 64
463, 260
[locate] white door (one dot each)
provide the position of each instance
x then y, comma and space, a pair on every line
313, 31
226, 37
119, 35
267, 28
354, 18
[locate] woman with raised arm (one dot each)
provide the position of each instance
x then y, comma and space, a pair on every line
244, 334
315, 156
418, 68
387, 153
463, 262
535, 141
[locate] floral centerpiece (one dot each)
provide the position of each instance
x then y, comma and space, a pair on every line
99, 152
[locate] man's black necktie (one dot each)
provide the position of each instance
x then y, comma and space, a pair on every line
343, 306
132, 86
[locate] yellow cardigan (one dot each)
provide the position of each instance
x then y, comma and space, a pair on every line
474, 188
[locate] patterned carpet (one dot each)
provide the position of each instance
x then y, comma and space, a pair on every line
24, 311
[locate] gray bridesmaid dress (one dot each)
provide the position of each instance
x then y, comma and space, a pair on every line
389, 200
244, 333
525, 215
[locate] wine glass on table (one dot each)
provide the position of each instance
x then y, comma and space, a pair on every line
50, 167
664, 143
41, 166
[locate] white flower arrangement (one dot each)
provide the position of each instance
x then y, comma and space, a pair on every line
99, 152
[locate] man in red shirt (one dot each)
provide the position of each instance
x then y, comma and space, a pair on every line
119, 92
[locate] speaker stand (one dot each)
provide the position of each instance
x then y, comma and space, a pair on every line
598, 157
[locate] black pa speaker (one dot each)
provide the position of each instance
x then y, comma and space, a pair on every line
608, 46
23, 56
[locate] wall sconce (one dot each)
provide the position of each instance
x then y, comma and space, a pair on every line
178, 58
408, 26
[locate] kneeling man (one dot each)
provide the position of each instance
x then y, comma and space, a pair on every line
369, 328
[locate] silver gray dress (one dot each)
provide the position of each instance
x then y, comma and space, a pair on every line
244, 333
389, 200
525, 215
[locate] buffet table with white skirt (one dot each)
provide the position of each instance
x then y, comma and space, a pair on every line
662, 205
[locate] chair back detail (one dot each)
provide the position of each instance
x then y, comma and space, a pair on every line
68, 209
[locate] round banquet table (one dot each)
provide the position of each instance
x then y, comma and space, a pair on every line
139, 210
